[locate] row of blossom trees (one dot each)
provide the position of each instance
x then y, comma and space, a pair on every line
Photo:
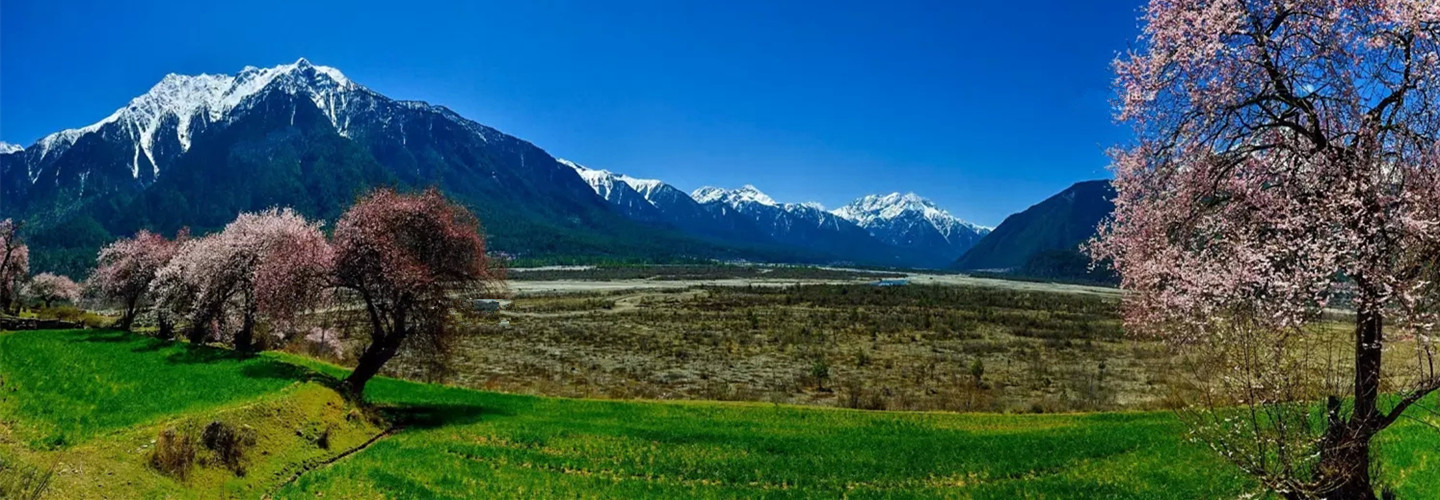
403, 262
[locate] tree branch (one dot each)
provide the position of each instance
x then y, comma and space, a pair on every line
1425, 389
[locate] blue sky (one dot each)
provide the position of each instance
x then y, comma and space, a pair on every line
986, 109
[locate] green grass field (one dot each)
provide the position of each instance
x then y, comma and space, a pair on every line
87, 404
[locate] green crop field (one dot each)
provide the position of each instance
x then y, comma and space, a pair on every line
87, 406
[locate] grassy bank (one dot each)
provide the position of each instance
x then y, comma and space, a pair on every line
90, 414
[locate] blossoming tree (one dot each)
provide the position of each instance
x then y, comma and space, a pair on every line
14, 262
410, 260
271, 265
49, 288
1286, 161
125, 268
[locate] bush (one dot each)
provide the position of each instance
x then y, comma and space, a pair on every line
229, 444
174, 453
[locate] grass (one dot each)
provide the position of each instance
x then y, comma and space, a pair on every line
521, 446
108, 394
65, 387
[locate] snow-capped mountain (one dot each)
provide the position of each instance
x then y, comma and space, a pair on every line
620, 191
910, 221
896, 229
650, 200
800, 225
162, 121
195, 150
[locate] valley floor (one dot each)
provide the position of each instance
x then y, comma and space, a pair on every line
88, 406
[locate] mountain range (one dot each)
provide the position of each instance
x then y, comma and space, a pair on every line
892, 228
196, 149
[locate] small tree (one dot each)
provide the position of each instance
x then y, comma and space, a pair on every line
1287, 160
14, 263
48, 288
411, 260
125, 268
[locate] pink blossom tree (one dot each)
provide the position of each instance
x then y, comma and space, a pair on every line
49, 288
14, 263
125, 268
411, 260
1286, 161
269, 266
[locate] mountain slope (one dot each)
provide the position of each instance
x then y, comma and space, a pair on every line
195, 150
1060, 223
654, 201
802, 226
915, 223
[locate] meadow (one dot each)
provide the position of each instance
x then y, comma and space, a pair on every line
91, 419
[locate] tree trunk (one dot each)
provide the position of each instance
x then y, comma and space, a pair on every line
245, 339
167, 330
199, 331
375, 356
1345, 454
128, 319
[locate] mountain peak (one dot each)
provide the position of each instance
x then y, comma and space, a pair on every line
746, 194
872, 210
708, 194
603, 181
751, 193
187, 97
7, 148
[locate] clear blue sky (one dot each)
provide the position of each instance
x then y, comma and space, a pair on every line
987, 109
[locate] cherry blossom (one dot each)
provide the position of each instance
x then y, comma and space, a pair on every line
125, 268
410, 259
14, 262
1287, 160
49, 288
269, 266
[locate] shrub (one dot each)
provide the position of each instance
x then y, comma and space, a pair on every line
174, 453
229, 444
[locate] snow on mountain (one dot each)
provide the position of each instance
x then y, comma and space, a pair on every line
873, 210
7, 148
193, 100
733, 197
910, 221
604, 181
